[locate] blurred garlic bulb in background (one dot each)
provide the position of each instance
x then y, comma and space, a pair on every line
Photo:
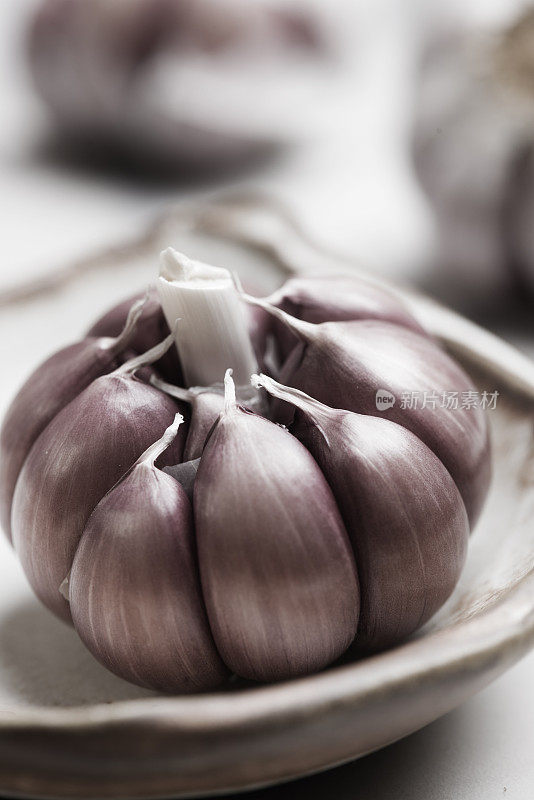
473, 150
179, 81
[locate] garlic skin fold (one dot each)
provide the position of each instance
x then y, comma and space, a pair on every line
262, 525
206, 405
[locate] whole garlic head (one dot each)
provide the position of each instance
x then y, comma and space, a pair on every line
200, 537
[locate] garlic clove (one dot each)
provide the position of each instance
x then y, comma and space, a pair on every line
205, 410
404, 515
81, 454
335, 298
185, 473
349, 362
134, 588
277, 570
345, 364
51, 387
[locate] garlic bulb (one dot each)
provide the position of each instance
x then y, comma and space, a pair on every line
473, 147
147, 77
226, 542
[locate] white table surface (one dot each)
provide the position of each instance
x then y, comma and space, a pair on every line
363, 200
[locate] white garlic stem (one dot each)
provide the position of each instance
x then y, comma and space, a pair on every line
212, 334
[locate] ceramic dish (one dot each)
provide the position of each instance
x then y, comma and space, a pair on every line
69, 729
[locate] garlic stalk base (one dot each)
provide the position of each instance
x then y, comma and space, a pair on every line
211, 335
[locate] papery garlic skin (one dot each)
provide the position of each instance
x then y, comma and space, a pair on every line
277, 570
135, 592
185, 473
82, 453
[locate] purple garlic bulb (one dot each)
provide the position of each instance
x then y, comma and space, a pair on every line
189, 535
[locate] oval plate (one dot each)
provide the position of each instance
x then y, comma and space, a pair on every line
154, 746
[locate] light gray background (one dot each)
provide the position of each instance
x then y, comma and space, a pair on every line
361, 199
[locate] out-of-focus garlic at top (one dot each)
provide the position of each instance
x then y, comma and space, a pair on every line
179, 83
473, 146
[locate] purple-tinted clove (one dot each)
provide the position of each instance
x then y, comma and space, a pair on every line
335, 298
406, 520
49, 389
345, 364
206, 405
277, 570
82, 453
134, 587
